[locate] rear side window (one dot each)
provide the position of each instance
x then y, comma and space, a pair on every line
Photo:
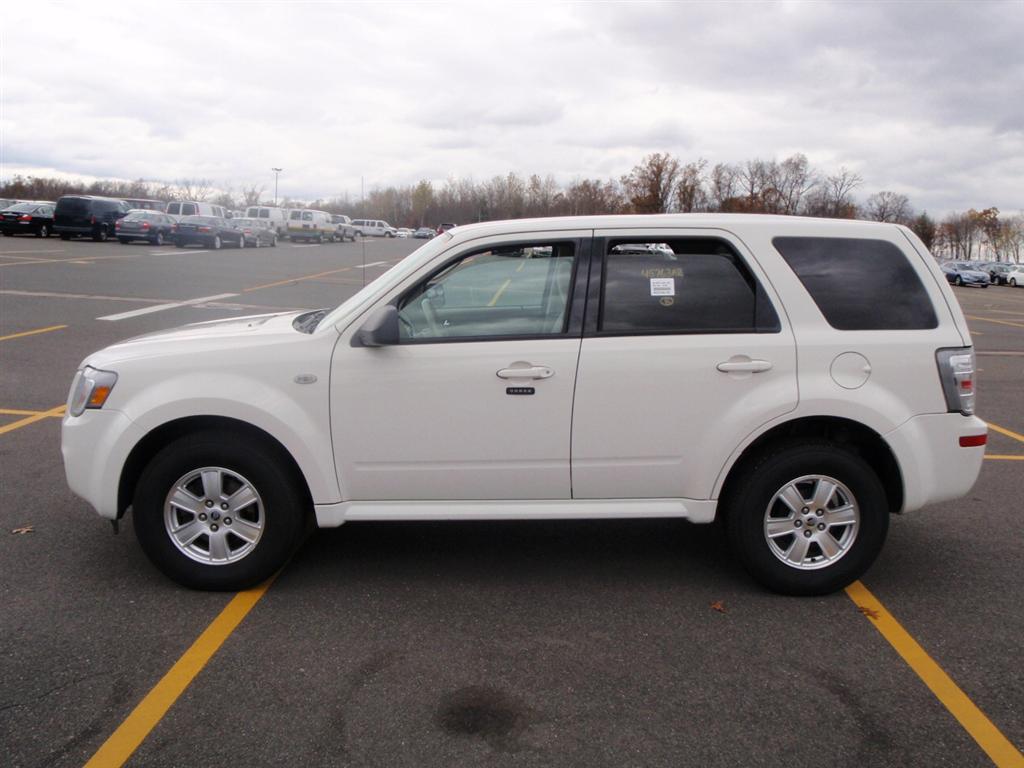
691, 285
859, 284
188, 209
73, 205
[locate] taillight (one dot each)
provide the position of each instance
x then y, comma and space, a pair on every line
145, 224
117, 224
92, 219
26, 217
956, 371
204, 229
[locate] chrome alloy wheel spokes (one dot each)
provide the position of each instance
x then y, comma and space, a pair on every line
214, 516
811, 522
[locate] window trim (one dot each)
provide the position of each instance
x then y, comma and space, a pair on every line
595, 298
575, 302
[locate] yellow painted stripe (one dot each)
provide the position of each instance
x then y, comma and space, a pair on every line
32, 333
38, 416
990, 320
989, 738
497, 294
998, 457
1005, 431
132, 732
295, 279
19, 412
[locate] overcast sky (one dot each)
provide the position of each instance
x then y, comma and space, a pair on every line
921, 98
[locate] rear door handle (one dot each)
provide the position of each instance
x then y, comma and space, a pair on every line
745, 366
525, 371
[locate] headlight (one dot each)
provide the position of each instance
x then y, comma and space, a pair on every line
90, 389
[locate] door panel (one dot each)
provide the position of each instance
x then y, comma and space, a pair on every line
654, 414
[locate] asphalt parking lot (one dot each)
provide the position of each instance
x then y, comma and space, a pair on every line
413, 644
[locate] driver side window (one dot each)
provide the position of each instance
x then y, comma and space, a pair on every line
515, 290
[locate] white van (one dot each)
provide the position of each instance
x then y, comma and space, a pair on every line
310, 225
373, 228
195, 208
278, 217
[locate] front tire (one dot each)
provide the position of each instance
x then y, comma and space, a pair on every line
807, 517
216, 242
215, 511
1013, 282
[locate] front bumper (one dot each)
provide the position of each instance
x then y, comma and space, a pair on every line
935, 468
95, 447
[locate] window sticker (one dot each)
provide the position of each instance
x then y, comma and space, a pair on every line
663, 286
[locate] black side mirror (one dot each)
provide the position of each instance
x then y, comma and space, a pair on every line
380, 329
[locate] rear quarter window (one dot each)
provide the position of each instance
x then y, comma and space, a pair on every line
73, 205
859, 284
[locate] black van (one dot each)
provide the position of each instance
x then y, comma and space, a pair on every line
87, 215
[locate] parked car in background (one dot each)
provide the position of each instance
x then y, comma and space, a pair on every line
998, 270
278, 217
373, 228
403, 232
423, 233
196, 208
965, 273
27, 219
256, 232
95, 217
444, 227
142, 204
207, 231
307, 225
1015, 276
343, 227
152, 226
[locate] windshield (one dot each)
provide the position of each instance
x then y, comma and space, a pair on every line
373, 290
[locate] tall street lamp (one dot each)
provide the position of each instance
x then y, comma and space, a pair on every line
276, 171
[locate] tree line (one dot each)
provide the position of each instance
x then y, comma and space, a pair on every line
660, 183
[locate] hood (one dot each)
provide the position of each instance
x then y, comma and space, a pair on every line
199, 337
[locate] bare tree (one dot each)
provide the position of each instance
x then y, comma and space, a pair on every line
651, 184
690, 192
888, 206
251, 195
193, 189
833, 198
793, 181
722, 186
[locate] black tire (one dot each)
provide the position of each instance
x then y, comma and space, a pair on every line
43, 231
273, 242
100, 235
1012, 282
159, 239
959, 280
284, 514
216, 242
746, 511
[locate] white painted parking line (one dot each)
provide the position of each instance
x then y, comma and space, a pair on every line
308, 245
8, 253
374, 264
162, 307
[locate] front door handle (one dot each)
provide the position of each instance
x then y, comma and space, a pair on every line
521, 370
745, 366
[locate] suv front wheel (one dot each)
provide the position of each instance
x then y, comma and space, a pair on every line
216, 512
807, 518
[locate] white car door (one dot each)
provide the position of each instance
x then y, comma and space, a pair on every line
475, 401
683, 356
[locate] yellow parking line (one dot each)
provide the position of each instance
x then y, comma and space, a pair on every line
1005, 431
116, 750
32, 333
497, 294
981, 729
998, 457
37, 416
295, 279
990, 320
20, 412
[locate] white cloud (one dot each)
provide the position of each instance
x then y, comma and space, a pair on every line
922, 98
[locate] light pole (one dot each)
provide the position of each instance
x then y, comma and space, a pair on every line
276, 172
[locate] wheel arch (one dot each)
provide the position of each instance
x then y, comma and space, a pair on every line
144, 451
861, 439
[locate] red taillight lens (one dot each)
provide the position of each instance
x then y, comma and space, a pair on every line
973, 441
145, 225
117, 225
92, 219
26, 217
204, 229
956, 372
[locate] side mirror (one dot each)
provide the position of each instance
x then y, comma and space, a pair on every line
380, 329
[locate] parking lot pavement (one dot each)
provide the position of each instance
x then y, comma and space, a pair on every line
580, 643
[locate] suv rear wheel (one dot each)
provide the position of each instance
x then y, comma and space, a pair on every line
217, 512
807, 518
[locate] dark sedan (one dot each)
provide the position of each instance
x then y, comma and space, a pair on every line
207, 231
423, 233
27, 219
965, 273
144, 225
256, 232
999, 270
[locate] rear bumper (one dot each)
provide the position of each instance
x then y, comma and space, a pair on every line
67, 229
935, 468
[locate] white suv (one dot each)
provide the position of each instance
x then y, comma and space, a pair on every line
801, 379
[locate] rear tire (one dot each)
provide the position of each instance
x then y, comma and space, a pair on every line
234, 546
959, 280
216, 242
796, 551
101, 235
43, 231
159, 239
